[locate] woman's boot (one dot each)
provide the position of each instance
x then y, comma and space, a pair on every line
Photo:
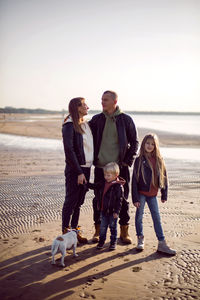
95, 238
80, 237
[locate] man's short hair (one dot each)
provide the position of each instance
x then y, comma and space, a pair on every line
111, 167
113, 94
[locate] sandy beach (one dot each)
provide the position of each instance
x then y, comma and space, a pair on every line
32, 195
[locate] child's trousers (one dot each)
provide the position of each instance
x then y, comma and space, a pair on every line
153, 207
112, 223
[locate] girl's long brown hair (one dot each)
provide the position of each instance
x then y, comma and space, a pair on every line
160, 165
73, 113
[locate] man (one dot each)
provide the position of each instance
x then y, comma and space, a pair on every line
115, 140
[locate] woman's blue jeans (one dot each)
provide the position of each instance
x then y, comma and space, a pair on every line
153, 207
112, 223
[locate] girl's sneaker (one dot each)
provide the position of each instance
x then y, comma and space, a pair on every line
162, 247
140, 244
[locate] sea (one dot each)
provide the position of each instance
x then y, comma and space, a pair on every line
183, 124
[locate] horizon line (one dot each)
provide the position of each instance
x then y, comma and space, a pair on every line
11, 109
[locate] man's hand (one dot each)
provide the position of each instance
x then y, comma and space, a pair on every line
136, 204
81, 179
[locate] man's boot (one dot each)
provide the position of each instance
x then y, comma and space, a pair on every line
80, 237
124, 236
95, 238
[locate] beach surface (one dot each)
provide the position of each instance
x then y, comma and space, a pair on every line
32, 195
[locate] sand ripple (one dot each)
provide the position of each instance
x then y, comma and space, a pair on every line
182, 279
29, 201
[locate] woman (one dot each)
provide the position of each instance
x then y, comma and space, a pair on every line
78, 147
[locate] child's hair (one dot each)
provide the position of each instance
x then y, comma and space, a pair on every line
111, 167
160, 165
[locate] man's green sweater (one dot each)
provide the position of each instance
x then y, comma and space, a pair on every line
109, 149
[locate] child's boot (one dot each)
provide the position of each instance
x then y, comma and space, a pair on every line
100, 245
162, 247
140, 244
112, 246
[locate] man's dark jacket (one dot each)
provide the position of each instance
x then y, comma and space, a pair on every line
127, 137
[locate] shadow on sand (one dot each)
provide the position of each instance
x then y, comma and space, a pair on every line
28, 275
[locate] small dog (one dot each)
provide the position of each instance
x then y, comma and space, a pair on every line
62, 243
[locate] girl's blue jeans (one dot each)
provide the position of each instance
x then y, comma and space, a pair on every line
112, 223
153, 207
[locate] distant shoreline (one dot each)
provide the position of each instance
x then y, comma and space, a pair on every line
12, 110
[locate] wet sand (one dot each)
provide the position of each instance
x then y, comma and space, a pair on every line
32, 194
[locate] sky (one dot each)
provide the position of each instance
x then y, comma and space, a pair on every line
148, 51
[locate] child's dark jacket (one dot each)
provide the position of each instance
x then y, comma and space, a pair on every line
112, 200
140, 185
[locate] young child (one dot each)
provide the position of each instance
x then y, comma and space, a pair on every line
109, 201
149, 174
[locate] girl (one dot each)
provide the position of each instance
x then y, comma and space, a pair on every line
149, 174
78, 147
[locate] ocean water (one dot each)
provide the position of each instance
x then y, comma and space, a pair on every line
26, 142
23, 142
183, 124
183, 154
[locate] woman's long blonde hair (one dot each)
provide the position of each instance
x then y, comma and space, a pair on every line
160, 165
74, 114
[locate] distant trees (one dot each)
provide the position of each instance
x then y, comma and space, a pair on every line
10, 109
13, 110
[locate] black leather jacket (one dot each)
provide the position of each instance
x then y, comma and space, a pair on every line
140, 185
127, 136
73, 147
